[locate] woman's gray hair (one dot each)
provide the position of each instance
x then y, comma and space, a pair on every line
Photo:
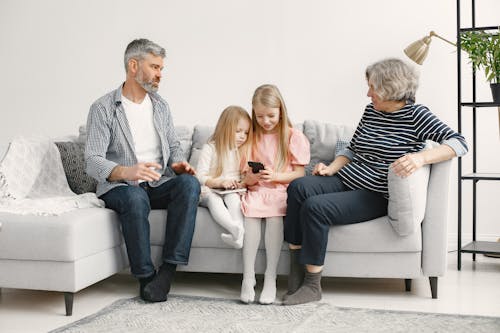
139, 48
393, 80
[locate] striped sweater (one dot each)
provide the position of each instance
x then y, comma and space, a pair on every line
383, 137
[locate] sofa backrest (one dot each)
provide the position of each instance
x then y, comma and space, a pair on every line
201, 134
326, 140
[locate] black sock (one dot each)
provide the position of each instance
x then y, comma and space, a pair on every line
157, 290
143, 282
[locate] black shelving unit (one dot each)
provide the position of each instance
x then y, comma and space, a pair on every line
475, 246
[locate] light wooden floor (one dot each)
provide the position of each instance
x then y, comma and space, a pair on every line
473, 290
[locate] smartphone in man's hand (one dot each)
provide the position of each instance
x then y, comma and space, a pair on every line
256, 166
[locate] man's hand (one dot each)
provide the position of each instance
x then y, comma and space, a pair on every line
183, 167
140, 171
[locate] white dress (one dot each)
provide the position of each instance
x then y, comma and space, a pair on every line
207, 164
225, 209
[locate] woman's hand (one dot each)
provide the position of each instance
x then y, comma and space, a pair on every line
321, 169
407, 164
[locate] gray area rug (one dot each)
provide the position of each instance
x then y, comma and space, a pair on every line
201, 314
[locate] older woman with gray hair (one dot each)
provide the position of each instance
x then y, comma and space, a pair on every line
353, 188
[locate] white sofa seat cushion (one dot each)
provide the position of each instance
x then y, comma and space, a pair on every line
348, 238
206, 233
66, 237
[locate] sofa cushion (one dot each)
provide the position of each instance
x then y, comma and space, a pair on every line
206, 234
348, 238
407, 200
73, 161
323, 138
185, 134
201, 134
67, 237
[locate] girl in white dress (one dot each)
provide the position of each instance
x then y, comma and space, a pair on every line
219, 168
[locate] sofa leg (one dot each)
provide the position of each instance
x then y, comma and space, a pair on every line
408, 284
68, 301
434, 286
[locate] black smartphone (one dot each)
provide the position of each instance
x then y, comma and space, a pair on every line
256, 166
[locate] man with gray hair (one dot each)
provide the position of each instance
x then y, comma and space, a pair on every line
135, 155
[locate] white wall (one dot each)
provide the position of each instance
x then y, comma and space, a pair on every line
58, 56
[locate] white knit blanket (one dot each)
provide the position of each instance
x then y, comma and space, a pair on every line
32, 180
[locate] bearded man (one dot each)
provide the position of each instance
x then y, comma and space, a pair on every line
135, 155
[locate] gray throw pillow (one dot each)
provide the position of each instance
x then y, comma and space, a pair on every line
73, 161
407, 200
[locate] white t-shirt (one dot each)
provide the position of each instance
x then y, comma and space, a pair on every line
147, 142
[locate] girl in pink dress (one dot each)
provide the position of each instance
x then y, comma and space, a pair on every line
284, 151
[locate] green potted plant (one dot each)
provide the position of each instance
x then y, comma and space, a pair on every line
484, 52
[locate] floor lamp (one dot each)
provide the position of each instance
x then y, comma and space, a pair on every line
417, 51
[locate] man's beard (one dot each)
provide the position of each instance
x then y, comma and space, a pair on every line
148, 86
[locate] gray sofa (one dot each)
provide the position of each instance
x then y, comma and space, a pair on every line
74, 250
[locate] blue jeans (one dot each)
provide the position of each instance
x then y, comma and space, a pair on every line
179, 196
315, 203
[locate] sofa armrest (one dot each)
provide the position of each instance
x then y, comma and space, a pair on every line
434, 225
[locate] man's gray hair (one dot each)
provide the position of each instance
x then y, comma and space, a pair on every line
139, 48
393, 80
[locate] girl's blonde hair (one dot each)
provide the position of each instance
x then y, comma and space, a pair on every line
269, 96
224, 136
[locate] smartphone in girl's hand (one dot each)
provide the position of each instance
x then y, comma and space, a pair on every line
256, 166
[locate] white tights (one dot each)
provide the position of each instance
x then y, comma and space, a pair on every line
273, 241
226, 211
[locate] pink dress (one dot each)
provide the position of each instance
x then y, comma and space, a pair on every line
268, 199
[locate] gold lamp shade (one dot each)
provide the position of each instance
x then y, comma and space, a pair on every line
417, 51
